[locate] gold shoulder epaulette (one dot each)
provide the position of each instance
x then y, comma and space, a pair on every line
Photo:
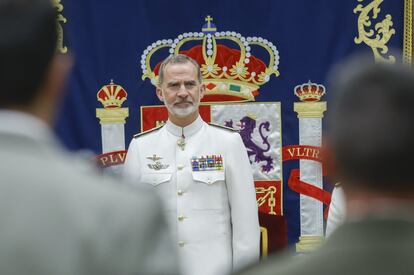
147, 132
223, 127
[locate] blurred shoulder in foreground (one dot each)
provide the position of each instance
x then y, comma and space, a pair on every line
371, 135
58, 216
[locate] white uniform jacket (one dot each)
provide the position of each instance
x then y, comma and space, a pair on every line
212, 212
337, 211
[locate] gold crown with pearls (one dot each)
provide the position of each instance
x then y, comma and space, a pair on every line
229, 74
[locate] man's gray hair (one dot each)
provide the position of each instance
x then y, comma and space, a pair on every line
178, 59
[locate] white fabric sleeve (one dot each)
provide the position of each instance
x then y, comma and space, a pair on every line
244, 210
337, 210
131, 169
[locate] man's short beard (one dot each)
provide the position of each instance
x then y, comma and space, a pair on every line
182, 112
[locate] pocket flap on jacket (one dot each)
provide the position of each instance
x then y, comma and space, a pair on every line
208, 177
156, 178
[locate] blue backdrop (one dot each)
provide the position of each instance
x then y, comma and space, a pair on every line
108, 37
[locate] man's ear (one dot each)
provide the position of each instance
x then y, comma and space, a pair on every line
47, 102
57, 74
202, 90
159, 94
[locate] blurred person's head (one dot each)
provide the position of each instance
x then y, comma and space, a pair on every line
181, 88
31, 72
372, 128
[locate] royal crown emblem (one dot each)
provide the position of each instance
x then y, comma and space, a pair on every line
230, 74
309, 91
112, 96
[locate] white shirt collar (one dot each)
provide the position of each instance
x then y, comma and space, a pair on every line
188, 130
23, 124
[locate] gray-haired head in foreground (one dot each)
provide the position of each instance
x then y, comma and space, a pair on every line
178, 59
372, 125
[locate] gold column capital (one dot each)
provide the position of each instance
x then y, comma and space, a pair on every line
112, 116
310, 109
308, 243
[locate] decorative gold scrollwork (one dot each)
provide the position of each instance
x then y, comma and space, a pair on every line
60, 20
269, 197
408, 32
376, 38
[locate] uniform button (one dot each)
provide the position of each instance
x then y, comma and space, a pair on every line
181, 243
180, 192
181, 218
180, 167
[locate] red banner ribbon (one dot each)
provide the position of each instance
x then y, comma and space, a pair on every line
297, 152
111, 158
293, 152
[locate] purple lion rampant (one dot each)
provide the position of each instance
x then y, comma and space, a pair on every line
247, 128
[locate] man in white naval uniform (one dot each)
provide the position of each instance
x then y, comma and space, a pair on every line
202, 174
